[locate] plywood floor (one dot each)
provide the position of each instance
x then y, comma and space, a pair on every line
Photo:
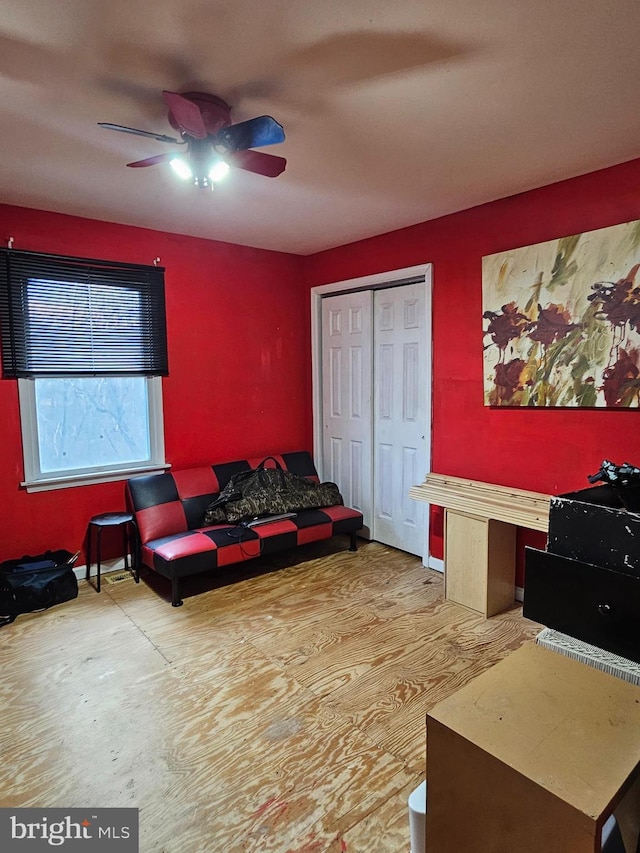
284, 712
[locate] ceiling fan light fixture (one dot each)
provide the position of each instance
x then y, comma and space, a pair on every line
218, 170
181, 168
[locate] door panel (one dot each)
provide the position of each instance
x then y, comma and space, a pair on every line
401, 365
346, 397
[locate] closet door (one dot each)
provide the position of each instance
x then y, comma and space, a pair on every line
347, 348
402, 369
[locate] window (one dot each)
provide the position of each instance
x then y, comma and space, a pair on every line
86, 341
89, 429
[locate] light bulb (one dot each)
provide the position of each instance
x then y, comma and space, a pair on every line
218, 171
181, 168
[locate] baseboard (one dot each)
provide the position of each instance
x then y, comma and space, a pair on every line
519, 593
436, 564
116, 565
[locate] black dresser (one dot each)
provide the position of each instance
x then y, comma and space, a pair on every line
587, 583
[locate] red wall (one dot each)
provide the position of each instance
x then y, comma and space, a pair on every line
549, 451
239, 384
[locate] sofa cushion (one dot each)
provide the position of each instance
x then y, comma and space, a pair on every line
163, 519
194, 551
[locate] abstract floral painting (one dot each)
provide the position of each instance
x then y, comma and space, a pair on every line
562, 321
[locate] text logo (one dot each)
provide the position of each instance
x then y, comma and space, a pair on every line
101, 830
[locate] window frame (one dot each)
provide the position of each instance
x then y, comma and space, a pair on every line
36, 481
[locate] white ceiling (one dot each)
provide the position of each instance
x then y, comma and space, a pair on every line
395, 113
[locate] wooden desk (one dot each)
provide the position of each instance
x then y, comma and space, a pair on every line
480, 536
533, 755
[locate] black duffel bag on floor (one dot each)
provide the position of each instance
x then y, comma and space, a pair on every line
36, 583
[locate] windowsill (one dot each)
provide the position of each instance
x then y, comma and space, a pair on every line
48, 484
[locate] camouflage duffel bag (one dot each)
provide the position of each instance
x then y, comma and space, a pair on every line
268, 491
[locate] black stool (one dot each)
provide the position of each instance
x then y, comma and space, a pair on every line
130, 541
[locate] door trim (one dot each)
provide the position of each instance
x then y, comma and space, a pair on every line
367, 282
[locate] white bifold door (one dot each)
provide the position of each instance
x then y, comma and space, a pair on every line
376, 367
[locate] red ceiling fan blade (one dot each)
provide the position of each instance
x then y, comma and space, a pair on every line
187, 114
256, 161
151, 161
215, 112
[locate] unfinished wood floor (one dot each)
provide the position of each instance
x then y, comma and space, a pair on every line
284, 712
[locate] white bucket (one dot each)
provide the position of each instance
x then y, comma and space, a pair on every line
418, 818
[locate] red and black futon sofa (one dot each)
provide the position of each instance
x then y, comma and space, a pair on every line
169, 511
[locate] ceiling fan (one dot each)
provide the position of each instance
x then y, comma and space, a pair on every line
213, 143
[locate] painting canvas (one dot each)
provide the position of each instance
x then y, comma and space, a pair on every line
562, 321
